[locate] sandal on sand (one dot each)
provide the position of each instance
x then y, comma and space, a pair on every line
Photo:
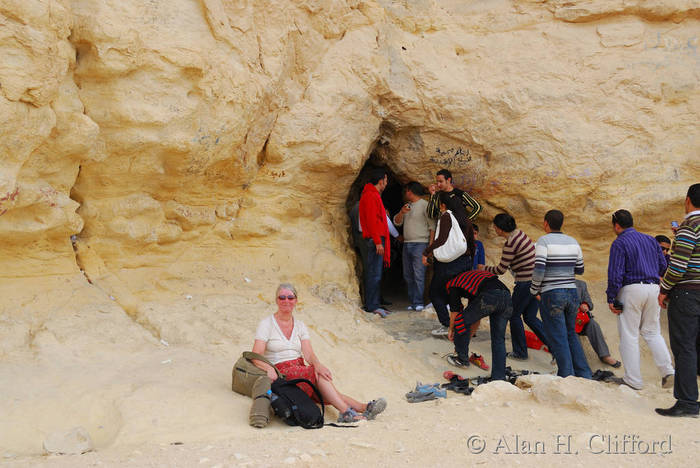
374, 407
449, 375
424, 387
349, 416
425, 393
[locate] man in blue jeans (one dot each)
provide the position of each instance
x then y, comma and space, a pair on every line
375, 233
519, 257
418, 228
558, 258
487, 297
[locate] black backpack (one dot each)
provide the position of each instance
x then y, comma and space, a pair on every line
294, 406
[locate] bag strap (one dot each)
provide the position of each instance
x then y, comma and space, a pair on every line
249, 355
320, 398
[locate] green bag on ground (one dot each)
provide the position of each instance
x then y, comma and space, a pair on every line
245, 373
251, 381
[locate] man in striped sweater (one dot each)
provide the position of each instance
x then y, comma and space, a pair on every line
681, 287
487, 296
519, 256
558, 258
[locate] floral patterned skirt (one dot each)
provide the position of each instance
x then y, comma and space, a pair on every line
297, 369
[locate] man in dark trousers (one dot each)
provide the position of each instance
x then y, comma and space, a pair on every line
375, 233
681, 288
487, 296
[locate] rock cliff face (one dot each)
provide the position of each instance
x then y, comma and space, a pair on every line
191, 144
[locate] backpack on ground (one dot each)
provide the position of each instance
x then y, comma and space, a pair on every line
294, 406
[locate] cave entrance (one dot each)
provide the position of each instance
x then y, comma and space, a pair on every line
393, 287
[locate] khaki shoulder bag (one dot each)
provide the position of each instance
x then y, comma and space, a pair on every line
245, 373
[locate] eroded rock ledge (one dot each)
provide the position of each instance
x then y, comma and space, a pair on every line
189, 144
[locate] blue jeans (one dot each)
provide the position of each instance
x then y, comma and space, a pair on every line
374, 265
442, 273
414, 271
559, 308
496, 303
526, 306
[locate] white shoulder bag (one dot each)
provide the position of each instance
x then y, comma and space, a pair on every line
454, 247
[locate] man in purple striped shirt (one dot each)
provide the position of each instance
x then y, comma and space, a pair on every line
635, 265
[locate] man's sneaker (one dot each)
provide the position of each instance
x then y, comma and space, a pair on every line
456, 361
442, 331
410, 308
667, 382
478, 360
419, 308
516, 357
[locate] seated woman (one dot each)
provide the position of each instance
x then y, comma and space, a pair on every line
283, 340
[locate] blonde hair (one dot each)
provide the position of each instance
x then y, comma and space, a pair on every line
289, 286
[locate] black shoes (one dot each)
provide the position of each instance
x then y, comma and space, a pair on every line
679, 411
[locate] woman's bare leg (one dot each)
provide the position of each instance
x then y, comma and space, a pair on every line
354, 404
331, 395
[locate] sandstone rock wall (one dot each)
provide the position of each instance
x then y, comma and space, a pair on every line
192, 144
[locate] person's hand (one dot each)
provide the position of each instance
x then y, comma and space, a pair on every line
614, 310
451, 334
538, 297
663, 298
272, 374
432, 188
400, 238
584, 307
424, 259
481, 267
322, 371
406, 208
380, 249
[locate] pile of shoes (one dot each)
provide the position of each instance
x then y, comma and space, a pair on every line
425, 392
457, 383
603, 376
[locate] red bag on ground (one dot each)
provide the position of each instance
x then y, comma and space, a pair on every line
533, 342
582, 319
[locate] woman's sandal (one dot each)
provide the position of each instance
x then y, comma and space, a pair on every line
349, 416
374, 407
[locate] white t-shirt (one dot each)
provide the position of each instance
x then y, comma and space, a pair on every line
279, 348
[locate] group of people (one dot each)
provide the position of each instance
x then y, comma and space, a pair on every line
644, 274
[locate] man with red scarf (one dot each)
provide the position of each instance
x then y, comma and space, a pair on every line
375, 232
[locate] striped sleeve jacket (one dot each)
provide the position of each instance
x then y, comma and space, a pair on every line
472, 206
558, 258
518, 255
684, 262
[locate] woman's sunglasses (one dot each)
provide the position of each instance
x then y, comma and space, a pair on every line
289, 298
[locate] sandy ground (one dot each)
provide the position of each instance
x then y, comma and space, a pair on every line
171, 405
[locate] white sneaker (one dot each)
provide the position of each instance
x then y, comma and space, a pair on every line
410, 308
442, 331
419, 308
